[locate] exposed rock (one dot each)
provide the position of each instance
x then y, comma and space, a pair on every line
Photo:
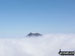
34, 34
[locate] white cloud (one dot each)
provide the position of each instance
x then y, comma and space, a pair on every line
48, 45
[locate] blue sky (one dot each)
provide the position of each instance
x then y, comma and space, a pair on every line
19, 17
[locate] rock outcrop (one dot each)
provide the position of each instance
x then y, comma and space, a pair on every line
34, 34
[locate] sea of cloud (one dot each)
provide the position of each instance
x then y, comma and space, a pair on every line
47, 45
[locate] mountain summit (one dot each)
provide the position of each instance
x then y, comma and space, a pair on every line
34, 34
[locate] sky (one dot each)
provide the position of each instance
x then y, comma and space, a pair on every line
19, 17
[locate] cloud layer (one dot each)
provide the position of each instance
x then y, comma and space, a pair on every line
47, 45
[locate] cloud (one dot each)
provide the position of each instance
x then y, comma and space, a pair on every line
47, 45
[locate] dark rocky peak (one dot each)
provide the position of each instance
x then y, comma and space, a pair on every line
34, 34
